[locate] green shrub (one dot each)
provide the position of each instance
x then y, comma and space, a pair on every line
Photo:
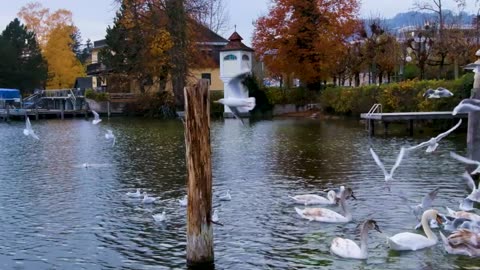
91, 94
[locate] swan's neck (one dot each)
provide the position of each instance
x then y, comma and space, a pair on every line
426, 228
364, 242
331, 197
346, 212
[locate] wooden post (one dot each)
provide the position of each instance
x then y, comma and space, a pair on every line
410, 127
473, 133
62, 113
385, 128
199, 175
108, 109
371, 127
8, 113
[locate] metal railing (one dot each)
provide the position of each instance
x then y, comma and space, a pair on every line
376, 108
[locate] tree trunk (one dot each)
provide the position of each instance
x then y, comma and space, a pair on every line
199, 175
177, 27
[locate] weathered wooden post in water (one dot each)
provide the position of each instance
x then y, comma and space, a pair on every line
199, 175
473, 134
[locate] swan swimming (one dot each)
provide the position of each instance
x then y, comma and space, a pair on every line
160, 217
184, 201
308, 199
346, 248
327, 215
136, 194
413, 241
226, 197
147, 199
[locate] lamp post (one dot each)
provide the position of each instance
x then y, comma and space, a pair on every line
473, 133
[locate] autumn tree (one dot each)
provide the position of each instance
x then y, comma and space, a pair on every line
22, 65
306, 36
63, 65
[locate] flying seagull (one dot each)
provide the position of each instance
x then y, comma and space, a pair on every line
424, 205
96, 118
438, 93
464, 107
432, 144
475, 195
28, 129
109, 136
388, 175
467, 161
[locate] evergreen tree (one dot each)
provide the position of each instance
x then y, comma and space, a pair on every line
22, 65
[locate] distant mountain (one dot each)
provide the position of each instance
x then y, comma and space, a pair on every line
414, 18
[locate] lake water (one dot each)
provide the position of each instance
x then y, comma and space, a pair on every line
55, 214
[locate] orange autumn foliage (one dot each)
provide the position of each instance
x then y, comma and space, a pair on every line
305, 38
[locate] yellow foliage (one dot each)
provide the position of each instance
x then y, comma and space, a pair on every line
63, 66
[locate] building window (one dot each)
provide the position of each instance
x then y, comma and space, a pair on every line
245, 57
230, 57
207, 76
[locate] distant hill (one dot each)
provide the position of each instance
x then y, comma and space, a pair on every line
419, 18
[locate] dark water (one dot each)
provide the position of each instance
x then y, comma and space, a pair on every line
54, 214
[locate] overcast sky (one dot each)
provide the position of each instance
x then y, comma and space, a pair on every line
92, 17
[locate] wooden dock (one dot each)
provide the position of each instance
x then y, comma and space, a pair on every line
35, 114
386, 118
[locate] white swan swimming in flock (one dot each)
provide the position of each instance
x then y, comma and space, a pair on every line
346, 248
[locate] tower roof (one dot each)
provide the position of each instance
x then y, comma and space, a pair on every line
235, 44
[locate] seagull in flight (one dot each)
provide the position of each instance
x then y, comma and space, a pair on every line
109, 136
388, 175
475, 195
465, 107
467, 161
432, 144
28, 129
96, 118
438, 93
424, 205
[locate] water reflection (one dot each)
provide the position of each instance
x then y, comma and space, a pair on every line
56, 214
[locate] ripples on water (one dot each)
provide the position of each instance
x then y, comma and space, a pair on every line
56, 215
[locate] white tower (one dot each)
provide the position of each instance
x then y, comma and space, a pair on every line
235, 59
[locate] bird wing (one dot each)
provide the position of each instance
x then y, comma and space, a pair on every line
95, 115
113, 144
429, 92
405, 200
236, 113
466, 107
464, 159
444, 91
398, 161
443, 135
34, 135
235, 84
470, 101
428, 199
423, 144
28, 125
470, 183
378, 161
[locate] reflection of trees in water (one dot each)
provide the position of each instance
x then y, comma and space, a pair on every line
313, 149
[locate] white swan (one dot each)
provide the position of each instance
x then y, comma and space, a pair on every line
96, 118
388, 175
184, 201
327, 215
413, 241
160, 217
432, 144
346, 248
136, 194
147, 199
308, 199
226, 197
28, 129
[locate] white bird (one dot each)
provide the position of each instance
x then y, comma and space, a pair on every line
463, 214
432, 144
28, 129
424, 205
413, 241
438, 93
184, 201
96, 118
226, 197
465, 108
136, 194
147, 199
109, 136
215, 216
85, 165
466, 205
346, 248
308, 199
462, 242
327, 215
160, 217
388, 175
467, 161
475, 195
235, 103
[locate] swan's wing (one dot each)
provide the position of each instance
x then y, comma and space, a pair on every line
428, 199
95, 115
418, 146
470, 183
236, 113
464, 159
378, 161
443, 135
398, 161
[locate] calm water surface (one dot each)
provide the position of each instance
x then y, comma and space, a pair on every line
54, 214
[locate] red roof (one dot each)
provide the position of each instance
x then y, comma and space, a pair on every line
235, 44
